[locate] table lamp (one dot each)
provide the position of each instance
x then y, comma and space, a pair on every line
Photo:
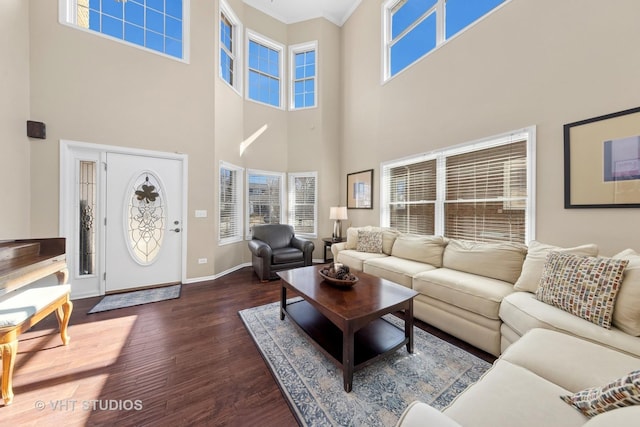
337, 213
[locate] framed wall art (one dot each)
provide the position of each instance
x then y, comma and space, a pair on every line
602, 161
360, 190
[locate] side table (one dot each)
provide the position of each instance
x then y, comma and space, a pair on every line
328, 241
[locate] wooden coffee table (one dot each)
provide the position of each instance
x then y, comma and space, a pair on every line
346, 323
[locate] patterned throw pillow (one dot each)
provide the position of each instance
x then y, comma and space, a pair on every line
584, 286
369, 241
622, 392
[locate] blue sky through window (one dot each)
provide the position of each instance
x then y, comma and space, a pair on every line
304, 79
264, 74
154, 24
414, 23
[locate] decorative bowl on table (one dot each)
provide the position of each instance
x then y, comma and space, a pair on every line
338, 275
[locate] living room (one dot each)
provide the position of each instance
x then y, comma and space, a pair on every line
528, 63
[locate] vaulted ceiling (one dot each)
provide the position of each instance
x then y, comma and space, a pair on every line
291, 11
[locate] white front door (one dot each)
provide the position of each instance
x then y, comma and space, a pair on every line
143, 221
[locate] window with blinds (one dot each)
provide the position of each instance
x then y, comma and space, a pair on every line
265, 192
481, 191
412, 196
486, 194
230, 206
303, 206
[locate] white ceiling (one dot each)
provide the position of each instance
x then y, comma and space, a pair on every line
290, 11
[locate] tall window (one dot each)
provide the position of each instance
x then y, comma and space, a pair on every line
265, 198
303, 203
482, 191
230, 47
264, 70
304, 69
158, 25
413, 28
230, 206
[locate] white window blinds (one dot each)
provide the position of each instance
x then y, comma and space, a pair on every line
482, 190
411, 189
230, 207
486, 194
303, 203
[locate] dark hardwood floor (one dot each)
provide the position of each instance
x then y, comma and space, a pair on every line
183, 362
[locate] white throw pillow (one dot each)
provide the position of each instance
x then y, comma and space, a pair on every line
536, 257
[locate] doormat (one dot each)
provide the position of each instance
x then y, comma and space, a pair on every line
130, 299
435, 373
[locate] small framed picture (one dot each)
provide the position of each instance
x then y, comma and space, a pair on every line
360, 190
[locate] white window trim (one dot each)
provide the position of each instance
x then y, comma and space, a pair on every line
237, 55
293, 50
385, 69
240, 211
259, 38
528, 133
283, 198
291, 186
67, 17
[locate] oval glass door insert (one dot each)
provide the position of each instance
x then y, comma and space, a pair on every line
146, 218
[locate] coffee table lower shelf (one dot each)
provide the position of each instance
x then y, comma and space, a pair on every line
373, 341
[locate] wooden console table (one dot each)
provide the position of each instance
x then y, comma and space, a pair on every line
23, 262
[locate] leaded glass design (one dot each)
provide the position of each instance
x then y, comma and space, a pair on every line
86, 223
146, 213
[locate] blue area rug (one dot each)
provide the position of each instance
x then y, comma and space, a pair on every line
129, 299
435, 373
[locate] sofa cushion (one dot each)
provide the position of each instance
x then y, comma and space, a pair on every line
521, 312
354, 259
620, 417
572, 363
287, 255
477, 294
619, 393
426, 249
510, 395
369, 241
535, 259
398, 270
502, 261
626, 312
584, 286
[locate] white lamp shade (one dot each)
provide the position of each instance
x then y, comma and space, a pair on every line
338, 212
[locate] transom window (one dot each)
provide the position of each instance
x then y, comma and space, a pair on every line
303, 60
264, 70
158, 25
230, 51
413, 28
265, 198
482, 191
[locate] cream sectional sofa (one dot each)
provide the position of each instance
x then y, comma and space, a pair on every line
484, 293
524, 386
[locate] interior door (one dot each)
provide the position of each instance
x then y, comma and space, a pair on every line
143, 221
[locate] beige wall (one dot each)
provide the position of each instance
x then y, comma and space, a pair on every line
543, 63
14, 112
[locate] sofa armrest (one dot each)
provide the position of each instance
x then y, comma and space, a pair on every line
337, 247
419, 414
260, 249
303, 244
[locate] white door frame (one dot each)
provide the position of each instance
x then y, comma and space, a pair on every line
71, 153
